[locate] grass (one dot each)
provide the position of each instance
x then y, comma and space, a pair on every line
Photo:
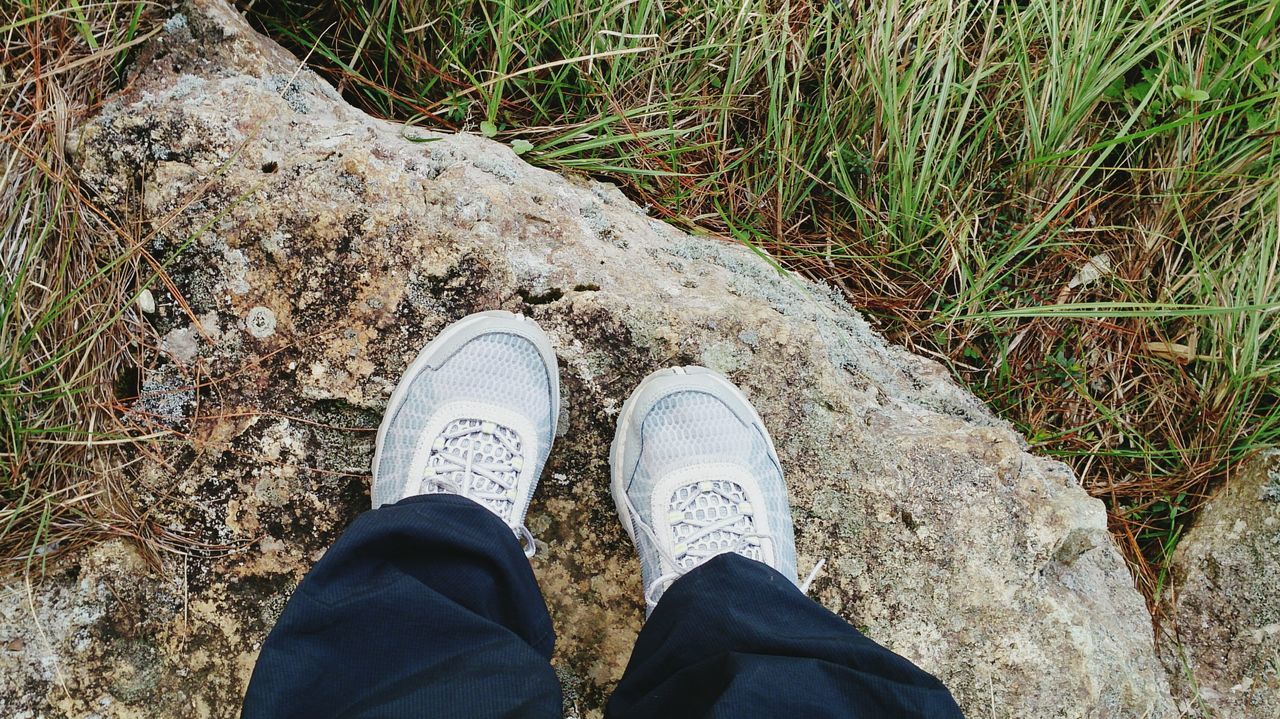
70, 271
1073, 205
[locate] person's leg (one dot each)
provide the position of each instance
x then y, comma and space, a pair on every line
699, 488
426, 607
733, 638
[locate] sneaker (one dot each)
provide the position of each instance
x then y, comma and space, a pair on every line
695, 475
474, 415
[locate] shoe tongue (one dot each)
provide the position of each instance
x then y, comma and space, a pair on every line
695, 507
494, 447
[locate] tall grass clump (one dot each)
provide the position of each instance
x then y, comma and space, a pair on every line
1074, 204
69, 278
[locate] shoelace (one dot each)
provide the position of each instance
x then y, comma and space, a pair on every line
481, 461
687, 554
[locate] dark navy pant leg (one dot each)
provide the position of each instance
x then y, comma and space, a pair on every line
735, 639
426, 608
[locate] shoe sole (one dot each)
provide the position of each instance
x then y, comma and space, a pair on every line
452, 338
660, 384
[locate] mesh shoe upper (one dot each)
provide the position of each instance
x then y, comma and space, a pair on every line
710, 517
703, 482
478, 458
490, 408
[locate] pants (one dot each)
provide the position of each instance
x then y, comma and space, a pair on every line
428, 608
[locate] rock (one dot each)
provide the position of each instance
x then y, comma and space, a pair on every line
319, 249
1221, 638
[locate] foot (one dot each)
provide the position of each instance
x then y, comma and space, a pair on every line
474, 415
695, 475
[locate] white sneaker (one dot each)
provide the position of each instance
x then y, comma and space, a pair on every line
474, 415
695, 475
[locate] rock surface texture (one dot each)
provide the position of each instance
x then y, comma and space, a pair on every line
317, 249
1221, 641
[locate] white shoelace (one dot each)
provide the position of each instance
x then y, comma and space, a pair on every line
731, 530
481, 461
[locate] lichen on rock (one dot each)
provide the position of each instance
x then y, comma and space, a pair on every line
1221, 633
318, 249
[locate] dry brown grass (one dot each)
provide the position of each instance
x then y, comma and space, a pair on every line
69, 334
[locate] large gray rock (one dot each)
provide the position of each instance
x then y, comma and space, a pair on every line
317, 249
1221, 642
